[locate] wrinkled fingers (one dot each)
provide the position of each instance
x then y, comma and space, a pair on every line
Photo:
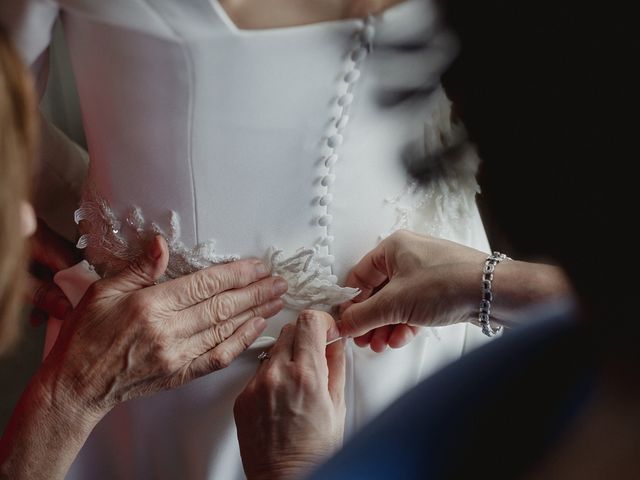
214, 335
261, 298
226, 352
187, 291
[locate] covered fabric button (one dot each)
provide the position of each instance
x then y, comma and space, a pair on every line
325, 220
331, 160
352, 76
327, 180
334, 140
345, 99
326, 200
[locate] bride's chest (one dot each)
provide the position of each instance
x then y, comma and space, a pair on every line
185, 112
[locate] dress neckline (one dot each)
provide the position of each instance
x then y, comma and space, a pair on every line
235, 30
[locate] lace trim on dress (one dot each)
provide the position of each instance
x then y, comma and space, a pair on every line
111, 243
442, 204
310, 283
444, 209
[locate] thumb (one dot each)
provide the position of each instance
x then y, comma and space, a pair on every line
145, 270
374, 312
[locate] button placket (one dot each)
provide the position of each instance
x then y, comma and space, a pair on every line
350, 78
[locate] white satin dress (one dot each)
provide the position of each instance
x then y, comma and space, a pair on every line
285, 144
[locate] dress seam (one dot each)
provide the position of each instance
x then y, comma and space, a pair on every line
191, 74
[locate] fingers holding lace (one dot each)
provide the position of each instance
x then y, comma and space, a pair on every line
50, 253
46, 297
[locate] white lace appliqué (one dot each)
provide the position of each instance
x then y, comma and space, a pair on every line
309, 282
112, 243
445, 206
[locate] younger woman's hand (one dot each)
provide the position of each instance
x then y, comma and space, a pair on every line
410, 281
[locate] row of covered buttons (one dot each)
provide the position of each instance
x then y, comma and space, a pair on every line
351, 77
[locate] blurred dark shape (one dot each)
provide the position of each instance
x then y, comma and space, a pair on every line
388, 98
546, 91
426, 167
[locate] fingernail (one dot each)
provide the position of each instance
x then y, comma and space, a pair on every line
273, 305
155, 252
259, 323
280, 286
261, 269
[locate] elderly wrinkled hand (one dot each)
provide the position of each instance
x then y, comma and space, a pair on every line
130, 337
291, 415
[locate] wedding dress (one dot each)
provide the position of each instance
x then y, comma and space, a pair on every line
287, 144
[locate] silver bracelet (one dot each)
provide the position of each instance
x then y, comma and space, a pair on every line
484, 315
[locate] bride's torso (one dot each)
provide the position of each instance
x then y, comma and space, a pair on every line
229, 129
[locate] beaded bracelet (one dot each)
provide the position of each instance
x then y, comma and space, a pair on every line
484, 314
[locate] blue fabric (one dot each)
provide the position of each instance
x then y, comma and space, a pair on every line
492, 413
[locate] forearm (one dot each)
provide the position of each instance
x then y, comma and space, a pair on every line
517, 286
45, 433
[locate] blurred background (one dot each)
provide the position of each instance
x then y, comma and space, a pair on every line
21, 363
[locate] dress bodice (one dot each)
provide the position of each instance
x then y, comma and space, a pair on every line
230, 131
229, 128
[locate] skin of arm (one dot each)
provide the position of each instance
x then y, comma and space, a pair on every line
518, 285
46, 431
